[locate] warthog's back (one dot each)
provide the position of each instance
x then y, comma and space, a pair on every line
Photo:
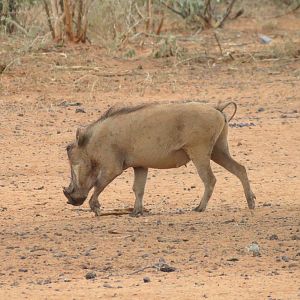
158, 135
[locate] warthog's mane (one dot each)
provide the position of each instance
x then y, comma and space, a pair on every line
116, 111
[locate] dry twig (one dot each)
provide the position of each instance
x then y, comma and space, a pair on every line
218, 42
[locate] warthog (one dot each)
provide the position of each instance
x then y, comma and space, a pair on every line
157, 136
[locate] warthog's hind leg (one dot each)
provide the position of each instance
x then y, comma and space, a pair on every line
223, 158
140, 177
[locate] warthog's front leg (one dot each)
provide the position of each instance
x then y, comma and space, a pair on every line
105, 177
94, 202
140, 177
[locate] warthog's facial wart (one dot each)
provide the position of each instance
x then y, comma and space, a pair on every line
83, 175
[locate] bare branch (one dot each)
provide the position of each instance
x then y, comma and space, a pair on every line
173, 10
9, 20
161, 23
149, 15
228, 11
218, 42
49, 18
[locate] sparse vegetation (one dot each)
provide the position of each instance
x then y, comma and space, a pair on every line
127, 26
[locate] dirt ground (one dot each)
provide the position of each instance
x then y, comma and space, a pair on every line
48, 247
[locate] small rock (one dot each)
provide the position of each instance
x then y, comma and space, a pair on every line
43, 281
261, 109
264, 39
229, 221
59, 254
90, 275
67, 280
242, 124
167, 268
39, 188
273, 237
80, 110
85, 267
254, 248
87, 253
23, 270
295, 237
68, 103
233, 259
163, 266
108, 286
160, 239
285, 258
146, 279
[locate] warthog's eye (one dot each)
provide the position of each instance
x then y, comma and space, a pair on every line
68, 148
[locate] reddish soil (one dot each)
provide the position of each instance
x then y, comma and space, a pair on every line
47, 247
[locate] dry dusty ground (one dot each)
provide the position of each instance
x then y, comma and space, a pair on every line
47, 247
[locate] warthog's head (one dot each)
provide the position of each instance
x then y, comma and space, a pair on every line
83, 171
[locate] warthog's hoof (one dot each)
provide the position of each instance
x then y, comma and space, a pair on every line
251, 201
136, 213
199, 208
96, 210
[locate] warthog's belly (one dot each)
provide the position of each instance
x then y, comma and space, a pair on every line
174, 159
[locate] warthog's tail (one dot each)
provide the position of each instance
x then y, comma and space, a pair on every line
221, 107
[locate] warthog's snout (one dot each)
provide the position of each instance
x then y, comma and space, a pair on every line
72, 200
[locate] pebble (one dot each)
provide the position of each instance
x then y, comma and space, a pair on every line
273, 237
146, 279
23, 270
285, 258
68, 103
254, 248
80, 110
264, 39
43, 281
90, 275
66, 280
242, 124
233, 259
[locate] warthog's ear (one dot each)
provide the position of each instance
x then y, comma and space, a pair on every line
81, 137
